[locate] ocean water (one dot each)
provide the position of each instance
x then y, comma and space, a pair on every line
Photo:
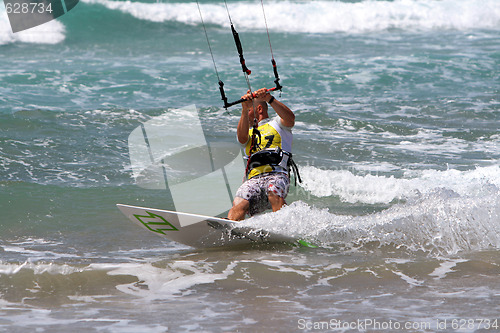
397, 140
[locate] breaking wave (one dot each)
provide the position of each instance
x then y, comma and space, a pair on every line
325, 16
442, 213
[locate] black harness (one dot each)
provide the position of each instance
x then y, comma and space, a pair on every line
273, 157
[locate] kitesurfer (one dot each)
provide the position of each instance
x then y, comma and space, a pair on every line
268, 148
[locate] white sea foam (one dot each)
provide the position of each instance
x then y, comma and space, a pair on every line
326, 16
379, 189
445, 212
35, 249
38, 268
445, 267
176, 278
52, 32
289, 16
439, 223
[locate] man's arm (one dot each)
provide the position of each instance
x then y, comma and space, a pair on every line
243, 124
287, 116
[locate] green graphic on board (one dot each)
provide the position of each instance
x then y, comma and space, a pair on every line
155, 223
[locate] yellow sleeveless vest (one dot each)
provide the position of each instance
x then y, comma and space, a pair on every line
269, 138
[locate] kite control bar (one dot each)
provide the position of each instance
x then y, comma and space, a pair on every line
227, 104
244, 68
277, 86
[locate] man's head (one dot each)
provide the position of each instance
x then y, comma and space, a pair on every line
260, 111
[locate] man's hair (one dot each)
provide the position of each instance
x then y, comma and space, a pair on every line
264, 106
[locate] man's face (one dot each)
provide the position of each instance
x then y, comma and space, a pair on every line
252, 115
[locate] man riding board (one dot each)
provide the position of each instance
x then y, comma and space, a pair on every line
268, 145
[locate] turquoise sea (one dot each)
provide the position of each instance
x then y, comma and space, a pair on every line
397, 140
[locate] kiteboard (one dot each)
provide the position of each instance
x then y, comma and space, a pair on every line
201, 231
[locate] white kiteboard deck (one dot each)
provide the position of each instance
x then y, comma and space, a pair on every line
200, 231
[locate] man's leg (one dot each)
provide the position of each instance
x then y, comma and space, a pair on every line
276, 201
239, 209
277, 190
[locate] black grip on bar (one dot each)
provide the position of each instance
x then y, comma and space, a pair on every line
222, 93
277, 80
235, 102
224, 98
240, 51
